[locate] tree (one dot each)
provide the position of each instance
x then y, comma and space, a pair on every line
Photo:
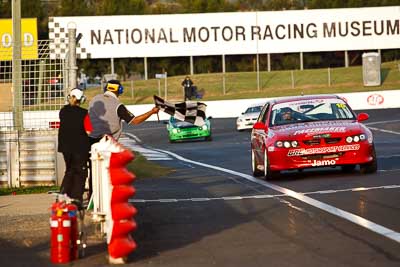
73, 8
5, 9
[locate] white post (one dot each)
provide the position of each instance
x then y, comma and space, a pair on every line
292, 74
191, 65
301, 61
73, 82
112, 65
223, 74
329, 77
258, 72
16, 64
132, 90
165, 86
145, 68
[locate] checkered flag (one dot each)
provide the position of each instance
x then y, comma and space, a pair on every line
193, 112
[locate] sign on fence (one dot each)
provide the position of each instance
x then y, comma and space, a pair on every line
29, 38
260, 32
160, 76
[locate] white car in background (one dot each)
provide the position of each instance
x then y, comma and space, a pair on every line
249, 117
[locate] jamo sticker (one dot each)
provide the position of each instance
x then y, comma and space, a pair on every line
328, 162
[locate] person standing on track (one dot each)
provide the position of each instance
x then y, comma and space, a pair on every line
187, 85
107, 112
73, 143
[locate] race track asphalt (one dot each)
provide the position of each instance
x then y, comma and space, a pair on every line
199, 216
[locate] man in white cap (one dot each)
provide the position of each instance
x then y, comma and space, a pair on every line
73, 143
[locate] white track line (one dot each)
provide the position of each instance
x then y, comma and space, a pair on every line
384, 131
263, 196
380, 122
134, 137
379, 229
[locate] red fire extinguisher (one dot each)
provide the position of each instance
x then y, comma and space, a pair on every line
64, 232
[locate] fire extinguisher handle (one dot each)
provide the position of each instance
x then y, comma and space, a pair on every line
67, 199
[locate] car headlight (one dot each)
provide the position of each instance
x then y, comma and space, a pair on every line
356, 138
174, 131
204, 127
286, 144
294, 143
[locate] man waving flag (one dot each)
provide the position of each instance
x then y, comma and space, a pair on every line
193, 112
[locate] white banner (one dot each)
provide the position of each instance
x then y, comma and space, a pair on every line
217, 109
233, 108
232, 33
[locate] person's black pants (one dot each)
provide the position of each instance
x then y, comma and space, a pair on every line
188, 93
74, 180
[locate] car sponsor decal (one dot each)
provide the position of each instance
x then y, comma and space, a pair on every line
327, 162
306, 102
322, 150
341, 105
320, 130
375, 99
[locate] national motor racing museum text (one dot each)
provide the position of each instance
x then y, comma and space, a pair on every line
241, 33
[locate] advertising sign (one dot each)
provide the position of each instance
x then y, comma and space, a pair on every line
233, 32
29, 38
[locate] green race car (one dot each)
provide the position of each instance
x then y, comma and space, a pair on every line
182, 130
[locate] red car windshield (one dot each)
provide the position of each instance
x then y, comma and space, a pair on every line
310, 110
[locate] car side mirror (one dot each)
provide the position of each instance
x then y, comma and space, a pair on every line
209, 118
259, 126
242, 113
362, 117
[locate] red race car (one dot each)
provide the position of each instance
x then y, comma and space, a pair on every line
310, 131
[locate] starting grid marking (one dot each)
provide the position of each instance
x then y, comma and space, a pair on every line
147, 153
233, 198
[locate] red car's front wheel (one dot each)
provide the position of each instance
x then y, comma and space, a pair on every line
268, 174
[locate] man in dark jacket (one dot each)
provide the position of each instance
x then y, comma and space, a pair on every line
73, 143
187, 84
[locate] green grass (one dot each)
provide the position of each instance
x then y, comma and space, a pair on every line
27, 190
142, 168
240, 85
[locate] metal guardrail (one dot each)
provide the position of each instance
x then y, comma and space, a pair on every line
31, 157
